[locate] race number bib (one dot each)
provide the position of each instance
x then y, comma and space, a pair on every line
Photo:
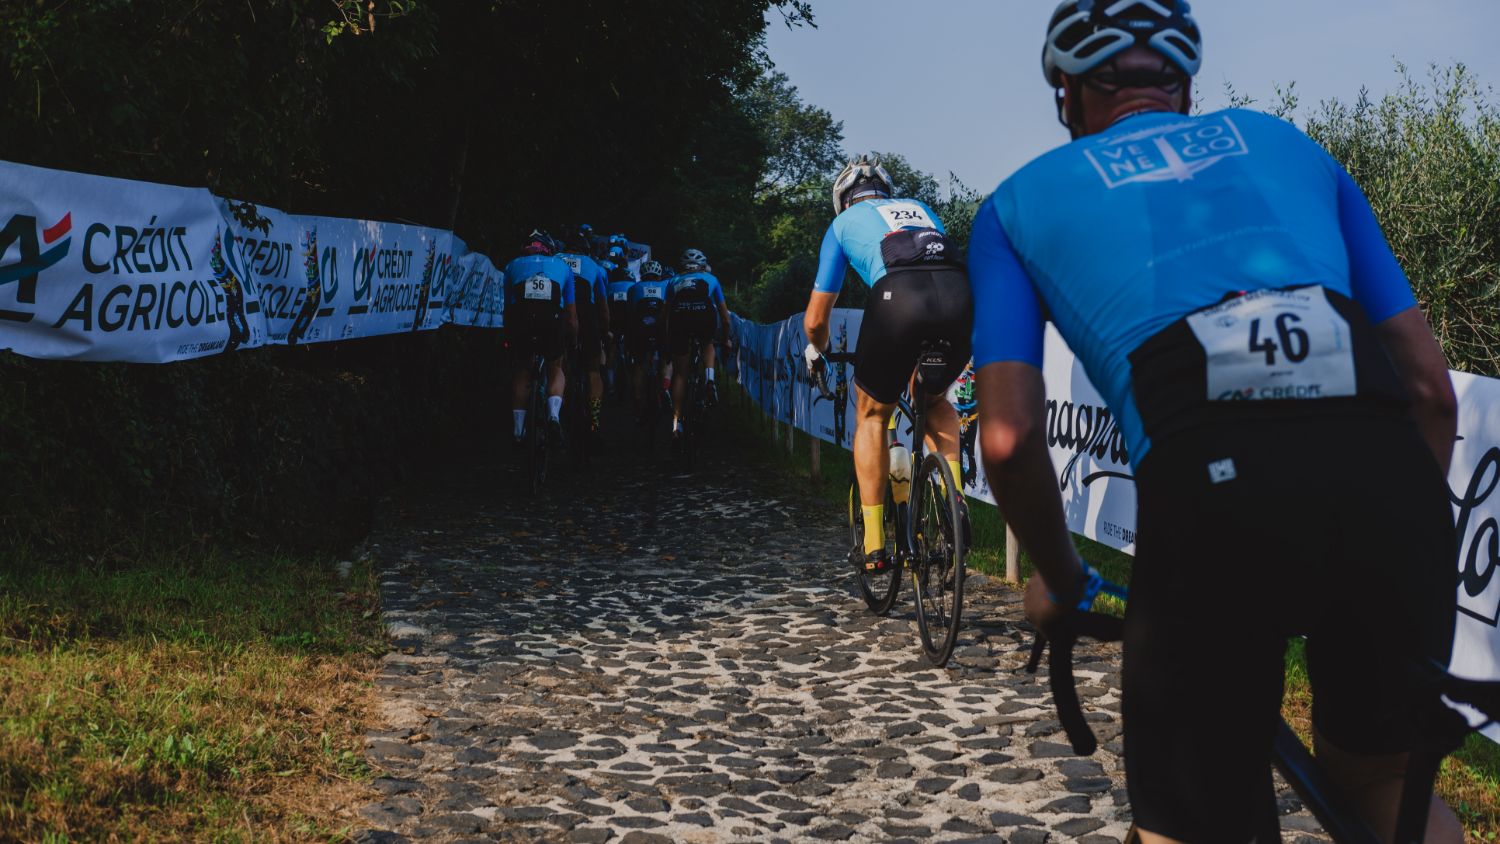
899, 215
537, 287
621, 296
576, 263
1276, 344
652, 291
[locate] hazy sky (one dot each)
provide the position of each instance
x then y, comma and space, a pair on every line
957, 84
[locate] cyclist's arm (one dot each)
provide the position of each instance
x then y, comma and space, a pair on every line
723, 313
1383, 290
570, 310
1011, 399
832, 265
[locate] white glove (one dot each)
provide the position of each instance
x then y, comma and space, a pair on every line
814, 357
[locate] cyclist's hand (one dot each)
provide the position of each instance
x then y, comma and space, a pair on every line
814, 357
1043, 612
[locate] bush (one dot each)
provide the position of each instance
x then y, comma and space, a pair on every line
1428, 157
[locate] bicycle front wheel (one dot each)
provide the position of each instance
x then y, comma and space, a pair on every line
878, 590
937, 563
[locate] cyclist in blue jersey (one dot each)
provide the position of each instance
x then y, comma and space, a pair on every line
618, 289
696, 315
540, 319
646, 316
590, 300
1287, 412
918, 293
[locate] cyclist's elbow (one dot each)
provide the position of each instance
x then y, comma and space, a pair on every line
1003, 440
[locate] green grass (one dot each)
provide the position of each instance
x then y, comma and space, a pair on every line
216, 697
1470, 779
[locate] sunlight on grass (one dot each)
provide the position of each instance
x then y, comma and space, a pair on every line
216, 698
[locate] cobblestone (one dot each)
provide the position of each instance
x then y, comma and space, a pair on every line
638, 658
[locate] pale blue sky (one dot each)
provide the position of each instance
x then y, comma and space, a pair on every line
957, 84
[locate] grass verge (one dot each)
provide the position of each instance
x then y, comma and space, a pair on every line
1470, 779
220, 697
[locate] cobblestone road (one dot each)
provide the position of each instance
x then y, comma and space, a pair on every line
640, 658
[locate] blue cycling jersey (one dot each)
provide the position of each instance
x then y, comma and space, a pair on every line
590, 271
527, 266
715, 291
853, 239
653, 290
619, 291
1120, 234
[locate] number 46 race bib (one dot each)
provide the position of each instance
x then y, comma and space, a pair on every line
1276, 344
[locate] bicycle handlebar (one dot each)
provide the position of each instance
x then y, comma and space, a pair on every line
1105, 628
820, 371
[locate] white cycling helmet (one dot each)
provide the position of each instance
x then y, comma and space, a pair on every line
862, 172
1084, 34
694, 260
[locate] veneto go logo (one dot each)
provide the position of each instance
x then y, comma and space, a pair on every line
1173, 153
33, 256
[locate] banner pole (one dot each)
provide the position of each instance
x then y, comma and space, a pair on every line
1012, 556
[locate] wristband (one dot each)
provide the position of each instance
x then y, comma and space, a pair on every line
1090, 584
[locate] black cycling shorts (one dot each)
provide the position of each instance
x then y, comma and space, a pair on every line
907, 307
536, 328
590, 329
646, 335
1334, 526
689, 328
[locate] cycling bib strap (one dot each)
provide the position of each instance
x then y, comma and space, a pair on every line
1303, 348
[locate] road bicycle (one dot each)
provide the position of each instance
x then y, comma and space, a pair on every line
536, 426
924, 517
1441, 730
577, 412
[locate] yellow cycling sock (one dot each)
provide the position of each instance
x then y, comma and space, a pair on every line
874, 526
958, 475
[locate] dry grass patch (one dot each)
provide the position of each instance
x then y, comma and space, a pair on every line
217, 699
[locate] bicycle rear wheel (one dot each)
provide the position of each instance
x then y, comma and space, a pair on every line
937, 563
878, 590
536, 439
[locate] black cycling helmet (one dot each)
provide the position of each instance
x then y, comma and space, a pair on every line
1084, 34
540, 243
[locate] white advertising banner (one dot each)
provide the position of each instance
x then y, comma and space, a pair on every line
94, 268
100, 269
1472, 479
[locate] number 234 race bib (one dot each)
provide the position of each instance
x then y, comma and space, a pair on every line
1276, 344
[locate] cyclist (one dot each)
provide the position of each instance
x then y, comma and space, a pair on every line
540, 319
590, 298
646, 306
696, 314
919, 292
1225, 285
618, 288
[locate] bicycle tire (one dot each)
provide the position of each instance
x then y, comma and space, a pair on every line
879, 590
536, 440
938, 555
691, 425
580, 431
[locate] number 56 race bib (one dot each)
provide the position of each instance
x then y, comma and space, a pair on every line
1276, 344
538, 287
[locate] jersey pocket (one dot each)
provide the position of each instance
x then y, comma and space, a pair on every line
917, 248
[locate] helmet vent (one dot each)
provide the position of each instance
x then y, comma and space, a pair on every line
1074, 35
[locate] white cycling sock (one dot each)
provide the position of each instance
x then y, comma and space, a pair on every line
554, 406
676, 426
518, 426
708, 372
